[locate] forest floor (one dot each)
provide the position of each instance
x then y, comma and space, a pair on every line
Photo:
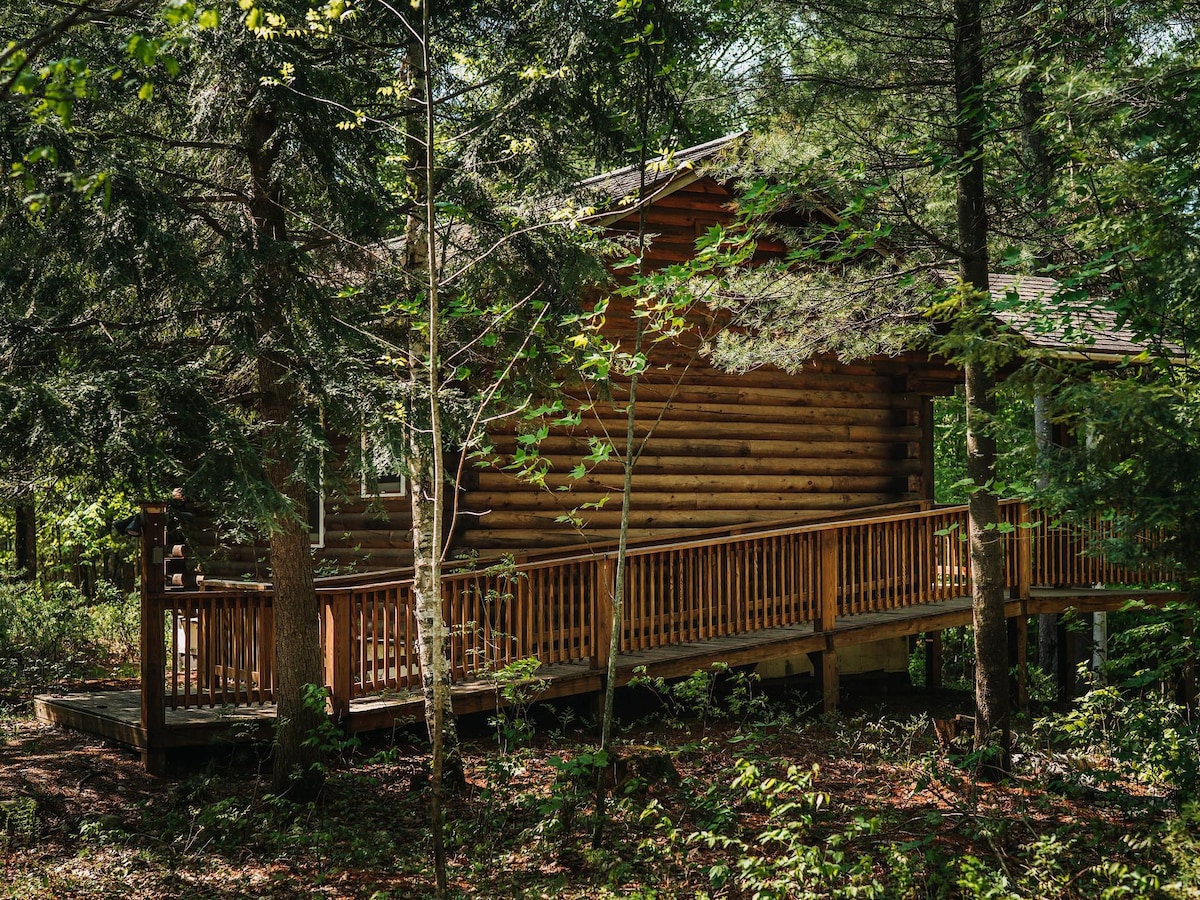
732, 793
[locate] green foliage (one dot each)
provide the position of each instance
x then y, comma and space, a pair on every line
1146, 738
44, 637
1139, 461
518, 686
715, 693
1012, 427
575, 783
328, 739
18, 822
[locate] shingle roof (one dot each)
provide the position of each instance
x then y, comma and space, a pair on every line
1030, 306
622, 183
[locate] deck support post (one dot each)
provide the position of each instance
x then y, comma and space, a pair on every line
1187, 681
1018, 659
153, 648
339, 670
933, 660
602, 613
1066, 660
827, 671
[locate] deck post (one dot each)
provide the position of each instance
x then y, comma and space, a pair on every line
153, 647
1018, 659
933, 660
827, 672
1066, 660
602, 613
338, 665
1024, 585
1187, 683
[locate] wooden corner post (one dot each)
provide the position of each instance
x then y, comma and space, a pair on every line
338, 664
827, 672
153, 645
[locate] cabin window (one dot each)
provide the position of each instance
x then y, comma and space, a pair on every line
381, 476
316, 517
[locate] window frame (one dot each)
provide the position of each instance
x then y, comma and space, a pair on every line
364, 489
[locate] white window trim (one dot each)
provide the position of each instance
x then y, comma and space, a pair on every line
364, 489
319, 543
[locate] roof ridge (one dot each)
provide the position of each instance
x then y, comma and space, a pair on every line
690, 156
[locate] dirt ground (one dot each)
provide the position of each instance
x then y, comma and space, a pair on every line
83, 819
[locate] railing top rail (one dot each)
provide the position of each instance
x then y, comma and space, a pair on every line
223, 594
590, 557
815, 527
607, 547
685, 544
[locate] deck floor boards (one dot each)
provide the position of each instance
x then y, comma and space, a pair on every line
116, 715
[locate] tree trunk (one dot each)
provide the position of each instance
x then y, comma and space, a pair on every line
25, 544
426, 458
1044, 435
297, 770
986, 541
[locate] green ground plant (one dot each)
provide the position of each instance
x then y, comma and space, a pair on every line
52, 633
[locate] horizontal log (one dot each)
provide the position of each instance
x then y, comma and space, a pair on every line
350, 530
700, 518
643, 501
490, 482
526, 538
784, 399
710, 451
779, 431
371, 557
764, 415
726, 467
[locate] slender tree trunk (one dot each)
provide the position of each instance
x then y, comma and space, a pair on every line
1044, 436
297, 767
628, 461
986, 541
25, 544
1032, 104
425, 444
618, 598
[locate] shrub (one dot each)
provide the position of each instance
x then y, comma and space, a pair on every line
53, 633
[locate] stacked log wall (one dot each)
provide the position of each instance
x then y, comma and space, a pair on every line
720, 449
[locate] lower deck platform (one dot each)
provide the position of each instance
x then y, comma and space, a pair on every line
117, 715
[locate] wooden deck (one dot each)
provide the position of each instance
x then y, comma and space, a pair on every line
118, 715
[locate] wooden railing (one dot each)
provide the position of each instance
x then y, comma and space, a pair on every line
218, 647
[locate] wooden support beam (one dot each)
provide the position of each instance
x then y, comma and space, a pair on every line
928, 441
1187, 683
339, 669
827, 671
1024, 585
1065, 661
1018, 660
153, 648
602, 612
830, 679
933, 660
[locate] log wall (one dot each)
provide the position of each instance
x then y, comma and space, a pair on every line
715, 449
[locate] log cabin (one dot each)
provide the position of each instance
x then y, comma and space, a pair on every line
718, 449
780, 519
